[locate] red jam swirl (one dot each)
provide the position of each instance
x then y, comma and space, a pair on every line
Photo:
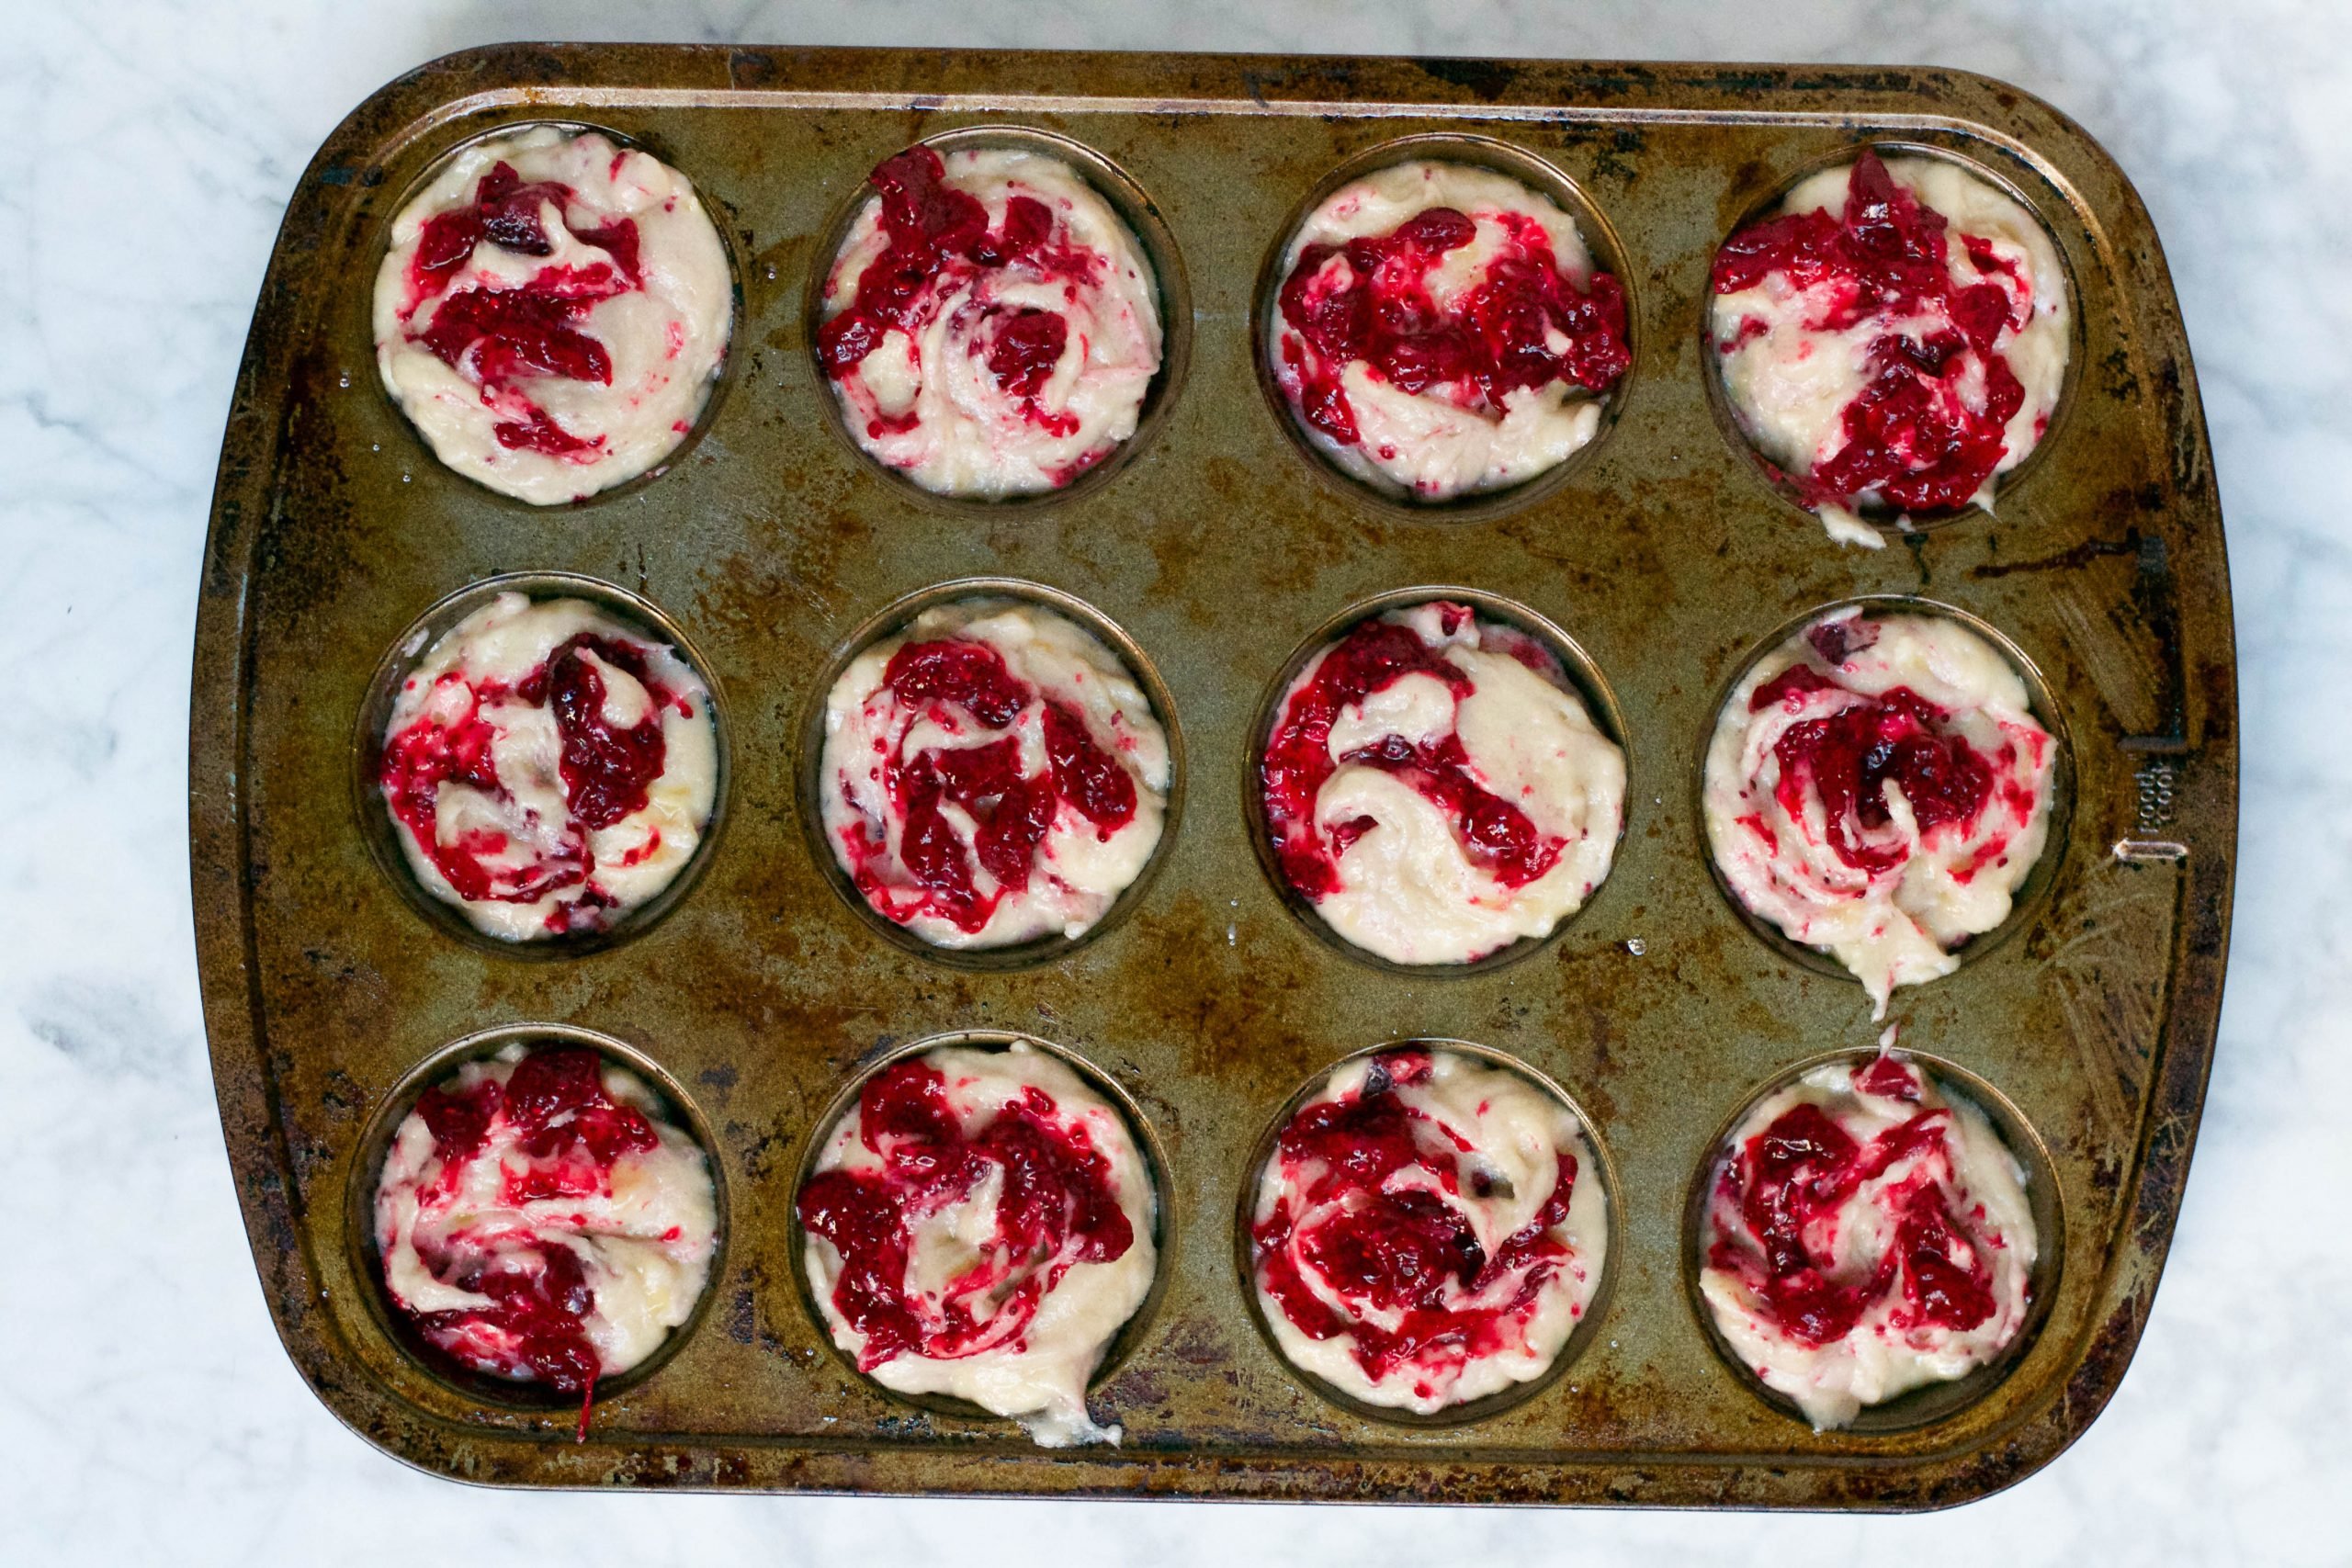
1494, 834
1848, 759
1785, 1187
958, 684
1489, 340
606, 772
938, 234
1391, 1247
569, 1135
607, 775
504, 338
1057, 1206
1911, 438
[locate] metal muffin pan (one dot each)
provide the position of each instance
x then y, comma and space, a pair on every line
1220, 549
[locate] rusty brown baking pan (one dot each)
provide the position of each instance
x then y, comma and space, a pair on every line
1218, 548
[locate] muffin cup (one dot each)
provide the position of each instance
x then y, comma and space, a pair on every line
844, 1102
1932, 1401
1505, 158
1135, 209
366, 1262
427, 460
1580, 1338
1584, 680
2041, 703
1890, 522
896, 617
373, 815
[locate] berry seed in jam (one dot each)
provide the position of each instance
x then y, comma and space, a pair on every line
1459, 349
1945, 327
1428, 1231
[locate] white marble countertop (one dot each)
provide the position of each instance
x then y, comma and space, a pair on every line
150, 1416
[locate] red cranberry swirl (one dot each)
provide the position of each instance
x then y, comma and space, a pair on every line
992, 776
992, 326
547, 768
981, 1224
552, 312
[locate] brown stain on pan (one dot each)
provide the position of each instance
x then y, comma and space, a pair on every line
1217, 548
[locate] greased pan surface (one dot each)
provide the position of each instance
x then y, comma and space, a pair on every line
1219, 548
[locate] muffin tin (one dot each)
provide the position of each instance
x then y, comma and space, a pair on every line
1220, 547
